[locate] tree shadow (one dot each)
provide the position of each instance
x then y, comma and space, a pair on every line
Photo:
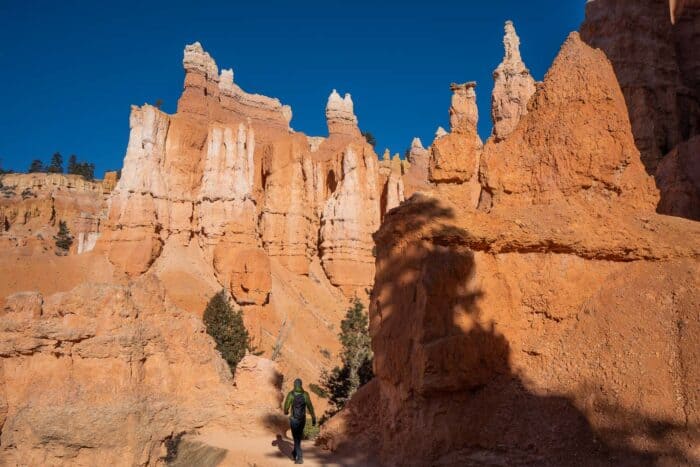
447, 394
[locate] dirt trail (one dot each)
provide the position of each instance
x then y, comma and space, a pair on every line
229, 449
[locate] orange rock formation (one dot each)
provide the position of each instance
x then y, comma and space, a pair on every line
554, 324
527, 306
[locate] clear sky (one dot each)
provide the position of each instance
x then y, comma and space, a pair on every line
71, 69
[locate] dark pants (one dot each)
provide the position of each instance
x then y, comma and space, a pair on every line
297, 427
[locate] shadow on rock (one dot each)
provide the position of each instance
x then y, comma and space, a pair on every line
446, 392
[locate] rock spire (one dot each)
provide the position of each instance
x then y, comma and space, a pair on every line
513, 87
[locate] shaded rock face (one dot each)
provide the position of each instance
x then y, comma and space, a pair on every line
654, 54
104, 373
492, 341
513, 87
678, 177
493, 324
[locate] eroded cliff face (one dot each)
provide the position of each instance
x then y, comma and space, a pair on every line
654, 54
111, 374
32, 205
553, 324
228, 175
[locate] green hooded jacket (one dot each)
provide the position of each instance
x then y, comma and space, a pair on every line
298, 389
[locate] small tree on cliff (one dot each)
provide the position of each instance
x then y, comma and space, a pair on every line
227, 328
36, 166
56, 165
63, 239
342, 382
370, 138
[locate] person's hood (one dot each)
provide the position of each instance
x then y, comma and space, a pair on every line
297, 385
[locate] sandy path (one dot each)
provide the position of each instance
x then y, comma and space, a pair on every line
227, 449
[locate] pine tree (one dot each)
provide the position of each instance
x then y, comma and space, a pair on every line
36, 166
342, 382
227, 328
88, 171
370, 138
73, 164
63, 239
56, 165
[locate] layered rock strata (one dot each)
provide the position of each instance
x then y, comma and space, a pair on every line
227, 173
115, 374
32, 205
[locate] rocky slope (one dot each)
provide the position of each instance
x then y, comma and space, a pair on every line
556, 323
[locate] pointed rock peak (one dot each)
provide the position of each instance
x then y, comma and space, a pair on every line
416, 143
511, 43
513, 87
416, 153
440, 132
334, 97
198, 60
387, 155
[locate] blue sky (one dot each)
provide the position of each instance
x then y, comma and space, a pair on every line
71, 69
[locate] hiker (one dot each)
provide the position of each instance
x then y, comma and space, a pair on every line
298, 400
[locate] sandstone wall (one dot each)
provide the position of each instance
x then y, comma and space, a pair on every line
32, 205
228, 174
112, 374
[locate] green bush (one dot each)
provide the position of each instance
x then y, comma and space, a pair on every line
310, 431
370, 138
342, 382
227, 328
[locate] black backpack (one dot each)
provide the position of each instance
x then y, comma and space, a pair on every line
299, 407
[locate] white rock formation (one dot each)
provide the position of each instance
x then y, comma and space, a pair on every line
513, 87
340, 115
417, 153
196, 59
